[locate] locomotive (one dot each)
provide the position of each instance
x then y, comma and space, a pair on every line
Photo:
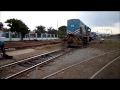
77, 33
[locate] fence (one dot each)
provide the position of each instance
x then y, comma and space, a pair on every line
10, 36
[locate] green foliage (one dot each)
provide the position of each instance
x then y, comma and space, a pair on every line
5, 30
1, 25
112, 42
62, 31
17, 26
108, 44
40, 29
52, 31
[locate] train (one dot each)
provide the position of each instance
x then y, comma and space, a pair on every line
93, 35
77, 33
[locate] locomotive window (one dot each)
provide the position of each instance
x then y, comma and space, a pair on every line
88, 29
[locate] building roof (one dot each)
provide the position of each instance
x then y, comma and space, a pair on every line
32, 32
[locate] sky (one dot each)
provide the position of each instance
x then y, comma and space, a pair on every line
99, 21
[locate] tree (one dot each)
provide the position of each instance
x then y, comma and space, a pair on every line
5, 29
62, 31
1, 25
40, 29
49, 30
17, 26
52, 31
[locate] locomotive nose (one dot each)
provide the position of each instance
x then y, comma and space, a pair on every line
70, 41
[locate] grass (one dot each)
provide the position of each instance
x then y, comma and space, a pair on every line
47, 47
113, 42
108, 44
43, 47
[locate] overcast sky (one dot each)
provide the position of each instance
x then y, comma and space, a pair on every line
98, 21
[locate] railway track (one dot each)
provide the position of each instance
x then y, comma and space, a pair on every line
12, 47
104, 67
93, 74
22, 67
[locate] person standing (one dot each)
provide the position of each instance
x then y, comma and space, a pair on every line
2, 44
101, 40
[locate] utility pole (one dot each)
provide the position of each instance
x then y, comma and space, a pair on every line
97, 31
111, 32
106, 32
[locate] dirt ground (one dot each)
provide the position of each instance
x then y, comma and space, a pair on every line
25, 53
87, 69
83, 70
28, 43
94, 45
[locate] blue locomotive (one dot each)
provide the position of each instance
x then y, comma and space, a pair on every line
77, 33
